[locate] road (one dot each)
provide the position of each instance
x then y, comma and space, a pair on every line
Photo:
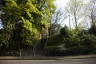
65, 61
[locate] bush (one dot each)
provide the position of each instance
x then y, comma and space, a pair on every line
88, 43
92, 30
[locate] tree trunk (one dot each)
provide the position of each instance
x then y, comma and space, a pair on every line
20, 52
69, 23
76, 26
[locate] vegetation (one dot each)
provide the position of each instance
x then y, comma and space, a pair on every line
26, 24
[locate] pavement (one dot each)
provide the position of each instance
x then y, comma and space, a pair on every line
64, 61
46, 57
84, 59
81, 56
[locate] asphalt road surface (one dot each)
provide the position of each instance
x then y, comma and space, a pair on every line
65, 61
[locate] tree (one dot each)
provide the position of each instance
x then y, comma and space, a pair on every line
74, 9
64, 32
55, 22
92, 30
92, 9
23, 21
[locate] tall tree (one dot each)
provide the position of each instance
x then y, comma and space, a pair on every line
74, 8
27, 17
92, 14
55, 22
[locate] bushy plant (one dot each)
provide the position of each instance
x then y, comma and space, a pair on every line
88, 43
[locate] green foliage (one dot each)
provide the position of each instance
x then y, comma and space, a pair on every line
64, 31
88, 43
55, 43
92, 30
23, 21
72, 42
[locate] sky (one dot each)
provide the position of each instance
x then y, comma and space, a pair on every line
0, 24
61, 4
